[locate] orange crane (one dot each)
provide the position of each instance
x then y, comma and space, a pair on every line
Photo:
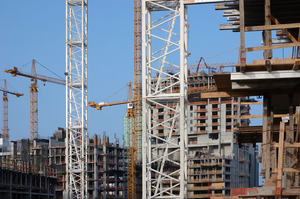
5, 130
100, 105
131, 138
34, 94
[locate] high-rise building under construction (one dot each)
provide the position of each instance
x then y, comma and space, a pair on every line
216, 163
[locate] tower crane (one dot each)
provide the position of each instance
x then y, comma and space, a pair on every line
131, 138
5, 109
34, 94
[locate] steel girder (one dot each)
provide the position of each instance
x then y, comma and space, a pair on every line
164, 37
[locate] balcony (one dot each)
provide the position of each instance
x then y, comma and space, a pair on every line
200, 132
160, 134
200, 124
200, 188
215, 124
201, 110
193, 142
201, 117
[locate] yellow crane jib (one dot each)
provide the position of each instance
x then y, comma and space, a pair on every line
103, 104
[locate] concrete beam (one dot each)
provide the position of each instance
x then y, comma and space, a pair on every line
263, 75
206, 1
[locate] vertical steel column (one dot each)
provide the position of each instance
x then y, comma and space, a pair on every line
164, 37
76, 98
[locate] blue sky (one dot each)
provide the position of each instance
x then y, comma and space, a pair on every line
36, 30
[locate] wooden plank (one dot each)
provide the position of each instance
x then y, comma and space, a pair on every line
274, 62
297, 56
214, 95
248, 103
290, 36
242, 36
288, 145
267, 36
272, 27
257, 116
280, 159
250, 49
291, 170
265, 166
239, 112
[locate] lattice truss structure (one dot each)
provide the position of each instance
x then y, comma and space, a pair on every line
76, 96
33, 105
164, 36
5, 115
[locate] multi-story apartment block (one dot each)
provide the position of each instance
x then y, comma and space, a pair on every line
216, 163
106, 175
106, 166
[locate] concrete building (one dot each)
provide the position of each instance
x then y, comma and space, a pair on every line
216, 163
106, 165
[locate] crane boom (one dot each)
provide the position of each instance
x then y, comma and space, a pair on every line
9, 92
99, 106
14, 72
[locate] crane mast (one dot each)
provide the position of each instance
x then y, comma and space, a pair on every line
5, 113
164, 36
76, 98
137, 90
33, 104
5, 130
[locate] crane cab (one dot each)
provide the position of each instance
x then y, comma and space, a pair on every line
130, 106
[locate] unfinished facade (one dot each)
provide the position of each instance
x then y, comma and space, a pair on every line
216, 163
106, 167
22, 176
278, 81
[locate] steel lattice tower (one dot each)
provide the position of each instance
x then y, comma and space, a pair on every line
137, 91
5, 113
164, 36
76, 98
33, 105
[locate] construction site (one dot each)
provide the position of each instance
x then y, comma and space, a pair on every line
190, 129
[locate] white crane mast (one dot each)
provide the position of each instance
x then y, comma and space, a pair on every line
164, 37
76, 99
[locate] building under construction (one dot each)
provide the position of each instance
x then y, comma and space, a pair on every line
278, 81
106, 167
216, 163
196, 138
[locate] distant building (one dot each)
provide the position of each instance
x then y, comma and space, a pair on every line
106, 163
